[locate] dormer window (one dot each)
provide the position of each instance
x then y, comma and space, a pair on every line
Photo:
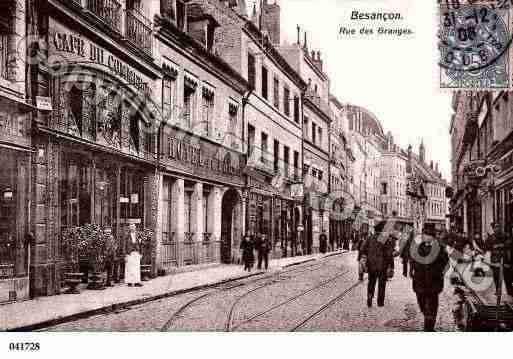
175, 12
201, 26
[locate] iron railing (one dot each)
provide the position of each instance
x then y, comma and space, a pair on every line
109, 11
139, 31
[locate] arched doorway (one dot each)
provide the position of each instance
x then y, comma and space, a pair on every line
230, 226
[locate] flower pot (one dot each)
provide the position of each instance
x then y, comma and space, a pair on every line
96, 281
72, 281
145, 272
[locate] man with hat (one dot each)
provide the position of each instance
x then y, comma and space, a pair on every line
378, 253
428, 260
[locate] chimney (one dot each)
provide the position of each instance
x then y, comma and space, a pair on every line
431, 165
317, 60
422, 151
298, 35
305, 44
436, 167
271, 14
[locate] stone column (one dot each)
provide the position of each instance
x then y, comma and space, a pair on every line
197, 217
158, 226
178, 208
214, 215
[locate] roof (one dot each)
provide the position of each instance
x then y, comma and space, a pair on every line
371, 121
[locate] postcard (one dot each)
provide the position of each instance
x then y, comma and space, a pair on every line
177, 167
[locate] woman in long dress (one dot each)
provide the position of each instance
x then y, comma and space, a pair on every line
133, 259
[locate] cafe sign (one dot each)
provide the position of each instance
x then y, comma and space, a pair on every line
78, 49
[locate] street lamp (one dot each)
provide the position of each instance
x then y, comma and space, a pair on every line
7, 194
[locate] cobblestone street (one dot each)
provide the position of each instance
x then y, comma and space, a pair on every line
320, 296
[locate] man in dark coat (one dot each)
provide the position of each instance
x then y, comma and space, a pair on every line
323, 243
378, 252
405, 252
248, 258
429, 260
263, 246
500, 248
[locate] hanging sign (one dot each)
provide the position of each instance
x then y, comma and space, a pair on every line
44, 103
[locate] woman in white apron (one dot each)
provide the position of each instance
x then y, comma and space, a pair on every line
133, 259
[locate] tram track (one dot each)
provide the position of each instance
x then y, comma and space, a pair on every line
271, 280
229, 320
325, 306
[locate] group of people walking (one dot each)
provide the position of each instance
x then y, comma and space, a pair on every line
262, 244
424, 259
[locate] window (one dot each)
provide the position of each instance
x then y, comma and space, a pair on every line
168, 97
320, 136
265, 93
251, 71
276, 151
384, 188
296, 164
263, 155
207, 111
314, 133
320, 175
189, 104
305, 126
296, 109
276, 93
180, 15
233, 111
251, 139
286, 101
6, 30
286, 153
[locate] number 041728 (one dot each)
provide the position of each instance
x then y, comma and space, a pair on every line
24, 346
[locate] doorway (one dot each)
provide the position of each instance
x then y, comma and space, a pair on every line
229, 224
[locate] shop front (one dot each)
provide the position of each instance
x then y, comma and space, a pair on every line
202, 208
95, 155
275, 211
15, 154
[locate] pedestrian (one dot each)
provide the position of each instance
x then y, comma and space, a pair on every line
323, 242
248, 257
362, 262
429, 260
378, 252
404, 252
133, 258
263, 246
500, 255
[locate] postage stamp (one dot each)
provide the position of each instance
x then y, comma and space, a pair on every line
475, 46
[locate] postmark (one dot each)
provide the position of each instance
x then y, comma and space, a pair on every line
474, 45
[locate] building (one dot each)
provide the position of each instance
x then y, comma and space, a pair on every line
367, 142
481, 131
271, 118
96, 149
201, 210
341, 162
316, 119
15, 151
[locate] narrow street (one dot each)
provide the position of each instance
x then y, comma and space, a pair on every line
319, 296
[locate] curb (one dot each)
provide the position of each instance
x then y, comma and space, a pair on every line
125, 305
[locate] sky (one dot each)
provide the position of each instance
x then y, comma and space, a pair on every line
396, 78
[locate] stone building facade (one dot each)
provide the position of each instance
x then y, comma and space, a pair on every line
15, 153
481, 132
316, 123
201, 212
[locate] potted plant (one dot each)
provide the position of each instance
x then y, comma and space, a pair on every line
145, 238
94, 248
71, 252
